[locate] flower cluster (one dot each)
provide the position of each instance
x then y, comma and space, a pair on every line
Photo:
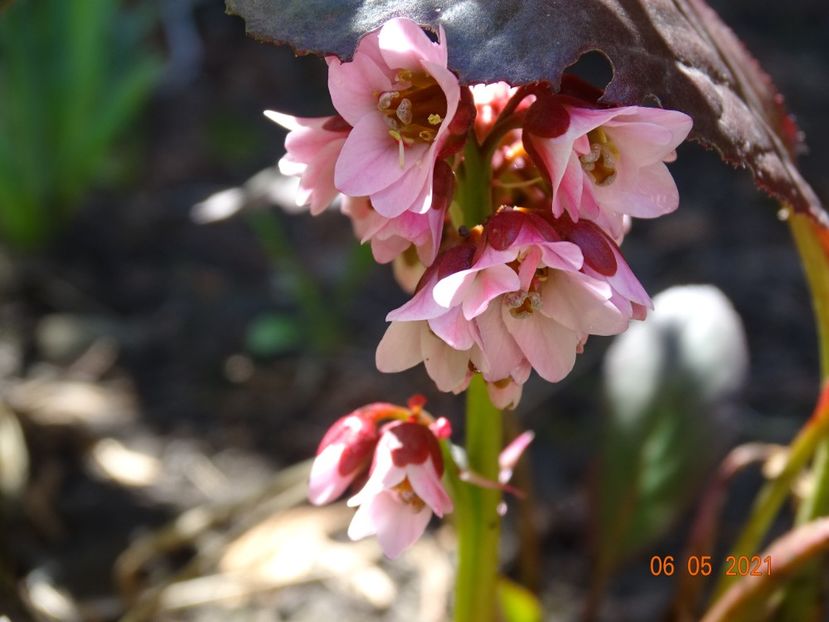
502, 207
392, 455
399, 465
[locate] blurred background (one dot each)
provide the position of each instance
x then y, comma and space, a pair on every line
175, 338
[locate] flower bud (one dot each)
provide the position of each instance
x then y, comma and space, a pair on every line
344, 453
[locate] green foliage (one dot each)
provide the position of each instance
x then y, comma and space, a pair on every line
518, 604
651, 465
73, 76
272, 333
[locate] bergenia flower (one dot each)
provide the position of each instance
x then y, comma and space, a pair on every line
400, 98
313, 146
390, 237
526, 294
345, 452
403, 489
611, 161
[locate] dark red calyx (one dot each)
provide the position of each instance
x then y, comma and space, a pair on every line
542, 224
455, 259
503, 228
596, 247
443, 185
417, 444
336, 124
546, 117
465, 114
459, 126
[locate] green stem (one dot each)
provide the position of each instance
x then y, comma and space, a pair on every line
814, 255
477, 520
474, 190
815, 435
802, 595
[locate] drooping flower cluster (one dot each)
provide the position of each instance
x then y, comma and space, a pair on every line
399, 465
392, 456
502, 207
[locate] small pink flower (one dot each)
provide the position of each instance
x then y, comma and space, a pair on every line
611, 162
403, 489
400, 98
313, 146
345, 452
390, 237
490, 100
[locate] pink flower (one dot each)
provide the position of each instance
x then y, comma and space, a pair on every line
400, 99
313, 147
390, 237
403, 490
490, 100
526, 294
345, 452
610, 162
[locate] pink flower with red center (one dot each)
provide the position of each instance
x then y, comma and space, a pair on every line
603, 163
403, 489
527, 294
313, 146
400, 98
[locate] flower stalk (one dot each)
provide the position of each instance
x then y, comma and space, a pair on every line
477, 520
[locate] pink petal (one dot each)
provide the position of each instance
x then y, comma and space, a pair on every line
500, 351
448, 82
422, 306
396, 524
355, 86
562, 256
369, 159
512, 453
318, 178
506, 396
411, 189
446, 366
454, 329
292, 123
529, 265
548, 346
385, 250
325, 483
403, 44
582, 304
399, 349
645, 192
427, 485
489, 284
384, 475
451, 290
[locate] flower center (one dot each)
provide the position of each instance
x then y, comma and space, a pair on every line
521, 304
407, 495
600, 163
414, 109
